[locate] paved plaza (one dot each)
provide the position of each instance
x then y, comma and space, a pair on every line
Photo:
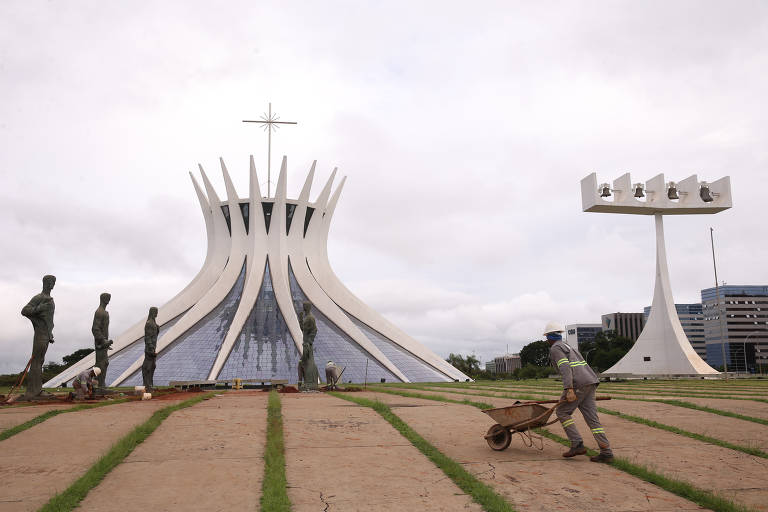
343, 456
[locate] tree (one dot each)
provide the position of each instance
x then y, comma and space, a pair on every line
605, 350
76, 356
469, 365
536, 353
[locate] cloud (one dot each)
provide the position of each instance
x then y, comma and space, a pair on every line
464, 133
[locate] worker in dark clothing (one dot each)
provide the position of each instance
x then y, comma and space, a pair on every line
579, 387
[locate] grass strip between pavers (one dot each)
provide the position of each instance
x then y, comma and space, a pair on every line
690, 405
678, 403
551, 389
75, 493
480, 493
675, 430
10, 432
273, 487
701, 497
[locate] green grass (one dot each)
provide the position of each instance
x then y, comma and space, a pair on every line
605, 388
273, 487
683, 489
75, 493
699, 437
480, 493
678, 403
10, 432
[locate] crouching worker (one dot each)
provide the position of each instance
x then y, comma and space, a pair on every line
332, 374
579, 387
85, 382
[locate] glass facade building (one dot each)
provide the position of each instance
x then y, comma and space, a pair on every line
736, 326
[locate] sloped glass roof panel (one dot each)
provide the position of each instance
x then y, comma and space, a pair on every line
332, 344
191, 355
265, 348
412, 367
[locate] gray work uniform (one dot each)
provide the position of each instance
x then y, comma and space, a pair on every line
578, 375
83, 383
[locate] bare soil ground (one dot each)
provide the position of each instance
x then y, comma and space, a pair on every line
530, 479
342, 457
206, 457
740, 477
12, 416
47, 458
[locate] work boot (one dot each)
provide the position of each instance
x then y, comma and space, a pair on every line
579, 449
602, 457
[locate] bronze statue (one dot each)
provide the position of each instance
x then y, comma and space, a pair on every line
101, 339
40, 312
307, 368
150, 345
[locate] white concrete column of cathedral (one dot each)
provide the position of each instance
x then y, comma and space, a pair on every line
662, 348
238, 317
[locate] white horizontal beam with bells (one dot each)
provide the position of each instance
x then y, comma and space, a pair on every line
662, 348
686, 197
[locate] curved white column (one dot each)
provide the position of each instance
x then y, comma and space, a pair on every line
662, 348
309, 286
257, 255
317, 256
219, 290
230, 247
277, 243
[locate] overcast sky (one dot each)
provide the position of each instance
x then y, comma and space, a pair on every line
464, 129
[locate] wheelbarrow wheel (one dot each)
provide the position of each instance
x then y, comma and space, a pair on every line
498, 437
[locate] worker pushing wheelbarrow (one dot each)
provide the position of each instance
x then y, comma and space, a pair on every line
579, 388
520, 417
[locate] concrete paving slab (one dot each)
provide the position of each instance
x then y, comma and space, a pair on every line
530, 479
746, 407
12, 416
206, 457
342, 457
47, 458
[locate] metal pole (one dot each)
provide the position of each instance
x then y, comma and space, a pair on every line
365, 382
269, 153
720, 313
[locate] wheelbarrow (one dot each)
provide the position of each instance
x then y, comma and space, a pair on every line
521, 417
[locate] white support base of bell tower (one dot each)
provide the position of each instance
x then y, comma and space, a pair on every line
662, 348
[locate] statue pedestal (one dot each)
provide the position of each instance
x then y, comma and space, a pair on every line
44, 396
